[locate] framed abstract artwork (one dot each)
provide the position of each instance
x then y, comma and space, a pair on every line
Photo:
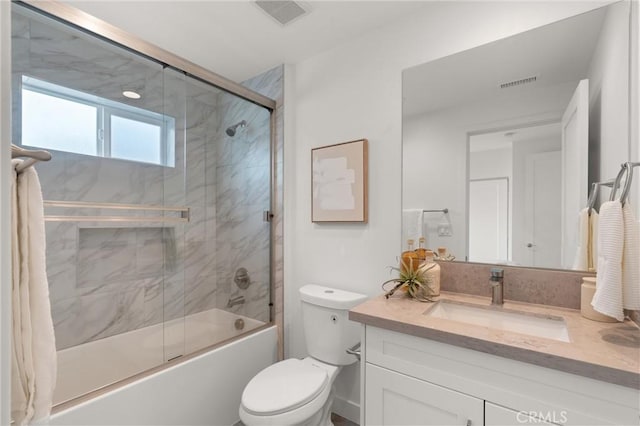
339, 182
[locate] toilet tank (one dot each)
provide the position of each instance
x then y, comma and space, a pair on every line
327, 329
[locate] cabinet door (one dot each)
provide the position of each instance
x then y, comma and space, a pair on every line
396, 399
495, 415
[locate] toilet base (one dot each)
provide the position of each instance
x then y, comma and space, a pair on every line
322, 417
314, 413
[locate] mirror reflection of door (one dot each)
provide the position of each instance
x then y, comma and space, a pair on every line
489, 220
516, 173
542, 179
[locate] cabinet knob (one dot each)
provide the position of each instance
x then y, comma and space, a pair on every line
469, 422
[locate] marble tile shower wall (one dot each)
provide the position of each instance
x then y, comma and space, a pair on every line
106, 279
271, 84
243, 184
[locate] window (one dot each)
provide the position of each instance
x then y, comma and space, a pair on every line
64, 119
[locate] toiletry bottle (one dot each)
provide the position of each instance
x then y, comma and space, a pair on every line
442, 253
421, 251
409, 257
434, 273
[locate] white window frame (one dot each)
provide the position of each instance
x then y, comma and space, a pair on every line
105, 109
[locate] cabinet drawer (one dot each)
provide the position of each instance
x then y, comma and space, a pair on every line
396, 399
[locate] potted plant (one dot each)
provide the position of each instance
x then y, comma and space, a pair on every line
414, 281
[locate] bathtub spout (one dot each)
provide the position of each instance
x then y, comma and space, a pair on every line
233, 301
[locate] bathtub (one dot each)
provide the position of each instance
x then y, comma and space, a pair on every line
202, 389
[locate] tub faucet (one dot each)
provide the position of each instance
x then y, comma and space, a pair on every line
233, 301
497, 286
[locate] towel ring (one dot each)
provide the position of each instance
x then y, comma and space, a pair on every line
616, 184
627, 185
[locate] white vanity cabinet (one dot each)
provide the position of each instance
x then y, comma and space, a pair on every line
408, 380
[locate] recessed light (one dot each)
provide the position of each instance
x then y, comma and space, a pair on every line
131, 94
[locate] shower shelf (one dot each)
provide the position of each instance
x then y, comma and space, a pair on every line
183, 212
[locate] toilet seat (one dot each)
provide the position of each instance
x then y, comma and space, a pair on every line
283, 387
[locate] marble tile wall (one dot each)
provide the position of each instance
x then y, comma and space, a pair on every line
108, 278
271, 84
243, 172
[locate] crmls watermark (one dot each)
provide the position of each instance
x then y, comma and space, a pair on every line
533, 417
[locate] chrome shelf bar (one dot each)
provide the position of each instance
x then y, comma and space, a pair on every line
445, 211
50, 218
184, 212
117, 206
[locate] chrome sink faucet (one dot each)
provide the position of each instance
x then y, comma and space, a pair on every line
497, 286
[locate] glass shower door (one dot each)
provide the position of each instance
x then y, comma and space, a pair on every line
227, 287
114, 196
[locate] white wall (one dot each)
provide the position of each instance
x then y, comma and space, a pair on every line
608, 83
5, 218
354, 91
490, 163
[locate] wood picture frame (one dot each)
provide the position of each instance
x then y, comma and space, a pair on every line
339, 182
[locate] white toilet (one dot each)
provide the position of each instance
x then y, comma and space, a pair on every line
299, 392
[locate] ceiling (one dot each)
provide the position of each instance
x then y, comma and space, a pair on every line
238, 40
556, 53
505, 138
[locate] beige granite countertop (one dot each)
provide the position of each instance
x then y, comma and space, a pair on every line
604, 351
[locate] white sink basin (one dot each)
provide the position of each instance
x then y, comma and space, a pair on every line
547, 326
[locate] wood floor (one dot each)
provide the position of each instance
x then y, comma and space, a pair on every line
341, 421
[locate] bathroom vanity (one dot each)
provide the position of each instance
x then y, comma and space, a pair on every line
462, 362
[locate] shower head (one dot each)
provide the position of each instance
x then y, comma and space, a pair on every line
231, 130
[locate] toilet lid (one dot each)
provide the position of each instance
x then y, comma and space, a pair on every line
282, 387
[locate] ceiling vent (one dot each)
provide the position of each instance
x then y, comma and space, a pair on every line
518, 82
284, 12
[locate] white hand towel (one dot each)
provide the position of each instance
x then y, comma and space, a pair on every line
608, 297
581, 262
412, 225
631, 260
34, 351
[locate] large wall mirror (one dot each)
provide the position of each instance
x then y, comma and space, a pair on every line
501, 142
